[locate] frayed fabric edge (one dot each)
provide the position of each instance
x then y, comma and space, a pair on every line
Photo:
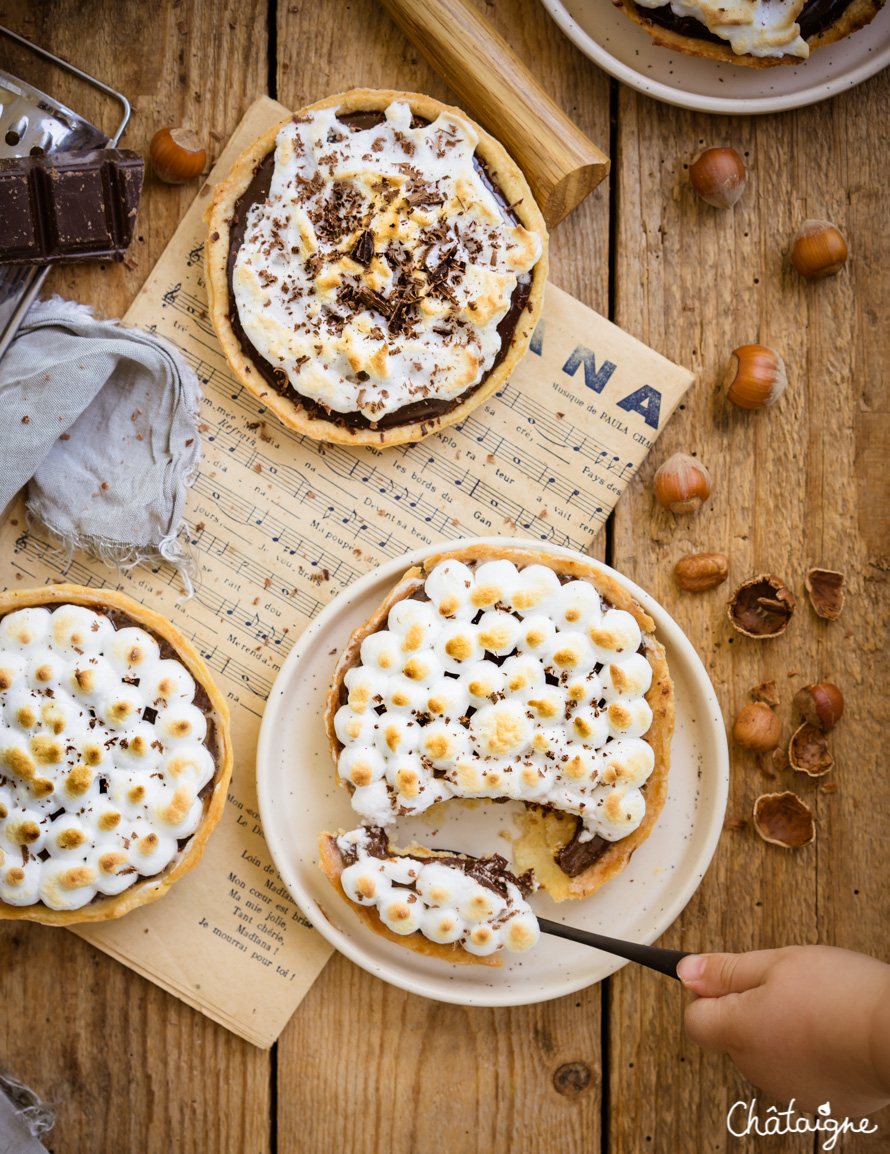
36, 1115
173, 549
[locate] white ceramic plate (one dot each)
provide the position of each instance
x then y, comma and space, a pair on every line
299, 797
626, 52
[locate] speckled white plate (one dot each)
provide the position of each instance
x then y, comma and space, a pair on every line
626, 51
299, 797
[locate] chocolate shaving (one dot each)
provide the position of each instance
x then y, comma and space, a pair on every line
363, 251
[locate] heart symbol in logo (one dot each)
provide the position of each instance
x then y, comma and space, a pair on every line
825, 1109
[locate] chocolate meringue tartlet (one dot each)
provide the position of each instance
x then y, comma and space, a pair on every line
375, 267
115, 755
755, 33
496, 674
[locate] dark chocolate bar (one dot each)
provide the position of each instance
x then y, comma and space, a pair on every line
69, 206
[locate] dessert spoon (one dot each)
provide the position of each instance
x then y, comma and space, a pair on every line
656, 958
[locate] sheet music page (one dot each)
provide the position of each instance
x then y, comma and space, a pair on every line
280, 524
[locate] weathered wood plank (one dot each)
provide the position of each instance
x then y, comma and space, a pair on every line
373, 1055
694, 282
127, 1066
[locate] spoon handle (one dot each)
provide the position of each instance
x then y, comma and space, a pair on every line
665, 961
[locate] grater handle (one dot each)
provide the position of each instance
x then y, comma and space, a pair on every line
85, 76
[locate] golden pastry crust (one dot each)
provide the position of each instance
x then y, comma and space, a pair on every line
503, 171
545, 831
855, 16
331, 863
104, 907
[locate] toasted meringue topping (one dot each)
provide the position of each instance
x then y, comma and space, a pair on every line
437, 899
99, 777
518, 687
378, 268
752, 27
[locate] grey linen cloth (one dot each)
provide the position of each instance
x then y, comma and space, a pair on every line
100, 422
23, 1117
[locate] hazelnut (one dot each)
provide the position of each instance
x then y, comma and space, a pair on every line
757, 728
755, 377
177, 155
820, 705
826, 590
783, 819
818, 249
697, 572
682, 484
719, 176
761, 607
808, 752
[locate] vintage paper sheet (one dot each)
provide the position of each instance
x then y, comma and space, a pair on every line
281, 524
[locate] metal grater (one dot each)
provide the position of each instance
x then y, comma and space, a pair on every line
33, 124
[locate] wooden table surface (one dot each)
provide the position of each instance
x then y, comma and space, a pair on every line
362, 1067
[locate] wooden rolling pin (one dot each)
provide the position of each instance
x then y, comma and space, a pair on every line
560, 163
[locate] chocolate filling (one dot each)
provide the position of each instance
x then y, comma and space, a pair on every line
814, 19
430, 407
492, 872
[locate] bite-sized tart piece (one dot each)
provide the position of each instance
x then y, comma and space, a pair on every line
756, 33
511, 673
115, 754
375, 267
460, 909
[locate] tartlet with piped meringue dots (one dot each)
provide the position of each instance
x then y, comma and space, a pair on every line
115, 755
375, 267
496, 673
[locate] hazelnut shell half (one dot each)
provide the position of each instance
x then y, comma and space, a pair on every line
808, 752
766, 691
783, 819
826, 590
761, 607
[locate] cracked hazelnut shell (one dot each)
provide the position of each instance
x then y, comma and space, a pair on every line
808, 752
757, 728
766, 691
821, 705
784, 819
826, 590
761, 607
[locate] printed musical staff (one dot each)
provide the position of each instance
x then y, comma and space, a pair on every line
280, 523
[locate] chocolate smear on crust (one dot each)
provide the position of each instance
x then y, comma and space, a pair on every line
492, 872
573, 859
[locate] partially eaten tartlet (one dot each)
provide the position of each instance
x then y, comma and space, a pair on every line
376, 267
496, 674
115, 755
756, 33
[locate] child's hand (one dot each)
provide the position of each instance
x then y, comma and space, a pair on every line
804, 1022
